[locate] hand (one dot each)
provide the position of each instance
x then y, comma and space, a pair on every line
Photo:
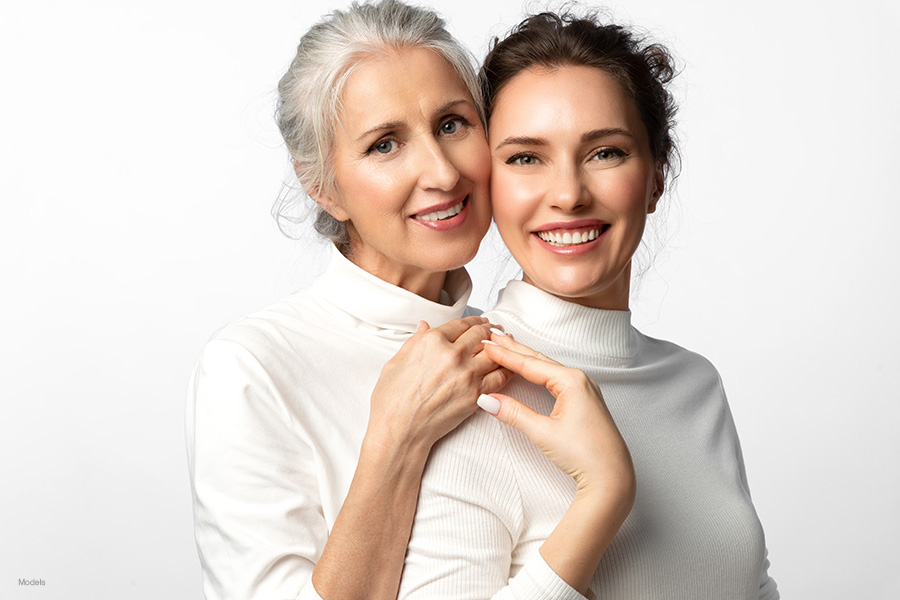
579, 436
430, 386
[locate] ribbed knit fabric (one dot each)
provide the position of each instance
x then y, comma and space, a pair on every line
277, 408
693, 533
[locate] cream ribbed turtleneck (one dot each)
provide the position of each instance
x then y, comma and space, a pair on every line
693, 532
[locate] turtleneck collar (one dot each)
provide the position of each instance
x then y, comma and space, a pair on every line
577, 330
385, 309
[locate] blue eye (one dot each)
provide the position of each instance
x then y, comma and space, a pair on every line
384, 146
450, 127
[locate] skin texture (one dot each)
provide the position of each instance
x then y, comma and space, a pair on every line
562, 156
409, 140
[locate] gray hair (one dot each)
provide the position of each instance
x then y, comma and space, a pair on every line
309, 93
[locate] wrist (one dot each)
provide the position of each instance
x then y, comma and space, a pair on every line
609, 497
385, 452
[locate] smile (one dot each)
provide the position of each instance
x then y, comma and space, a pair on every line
569, 238
442, 215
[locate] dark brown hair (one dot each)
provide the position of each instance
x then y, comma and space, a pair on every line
643, 69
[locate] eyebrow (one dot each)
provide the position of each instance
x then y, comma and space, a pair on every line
397, 124
590, 136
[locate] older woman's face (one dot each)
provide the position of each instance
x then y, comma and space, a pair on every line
412, 167
573, 180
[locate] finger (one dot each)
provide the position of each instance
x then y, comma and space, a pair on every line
422, 326
482, 364
538, 369
503, 339
495, 380
471, 339
515, 414
455, 328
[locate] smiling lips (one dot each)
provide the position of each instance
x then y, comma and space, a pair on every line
443, 213
568, 239
572, 234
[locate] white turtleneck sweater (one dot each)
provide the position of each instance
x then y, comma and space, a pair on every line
693, 532
277, 408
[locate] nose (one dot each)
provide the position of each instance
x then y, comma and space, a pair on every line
436, 171
568, 191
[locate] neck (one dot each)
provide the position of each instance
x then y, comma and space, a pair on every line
612, 297
426, 284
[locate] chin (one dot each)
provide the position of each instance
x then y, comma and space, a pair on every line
453, 256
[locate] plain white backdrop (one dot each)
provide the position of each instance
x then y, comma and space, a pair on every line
138, 164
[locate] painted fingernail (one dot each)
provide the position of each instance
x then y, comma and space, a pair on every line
500, 332
489, 404
489, 342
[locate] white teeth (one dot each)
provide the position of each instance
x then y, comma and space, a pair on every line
569, 239
440, 215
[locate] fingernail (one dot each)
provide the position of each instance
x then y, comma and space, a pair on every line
500, 332
485, 320
489, 342
489, 404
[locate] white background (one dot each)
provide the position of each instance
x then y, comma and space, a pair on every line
138, 163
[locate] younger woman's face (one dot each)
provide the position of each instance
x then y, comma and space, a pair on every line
412, 168
572, 181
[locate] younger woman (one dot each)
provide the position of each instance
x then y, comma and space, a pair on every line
581, 143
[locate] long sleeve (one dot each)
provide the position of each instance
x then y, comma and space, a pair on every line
693, 530
465, 544
767, 588
258, 521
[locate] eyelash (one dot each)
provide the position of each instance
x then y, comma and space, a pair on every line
517, 157
384, 140
615, 153
464, 122
450, 119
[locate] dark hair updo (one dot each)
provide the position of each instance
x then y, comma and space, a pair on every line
643, 69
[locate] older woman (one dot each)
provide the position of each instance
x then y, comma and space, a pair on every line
305, 480
580, 133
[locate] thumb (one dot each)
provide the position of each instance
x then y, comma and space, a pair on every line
422, 326
512, 412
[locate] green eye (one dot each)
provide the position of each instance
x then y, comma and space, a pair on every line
607, 154
524, 160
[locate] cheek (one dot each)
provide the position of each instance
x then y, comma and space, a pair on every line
627, 196
513, 199
513, 196
472, 159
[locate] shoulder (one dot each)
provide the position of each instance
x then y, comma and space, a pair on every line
284, 327
248, 371
678, 359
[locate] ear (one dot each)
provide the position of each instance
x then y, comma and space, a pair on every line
328, 200
332, 203
659, 186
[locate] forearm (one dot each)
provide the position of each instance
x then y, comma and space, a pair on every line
367, 545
